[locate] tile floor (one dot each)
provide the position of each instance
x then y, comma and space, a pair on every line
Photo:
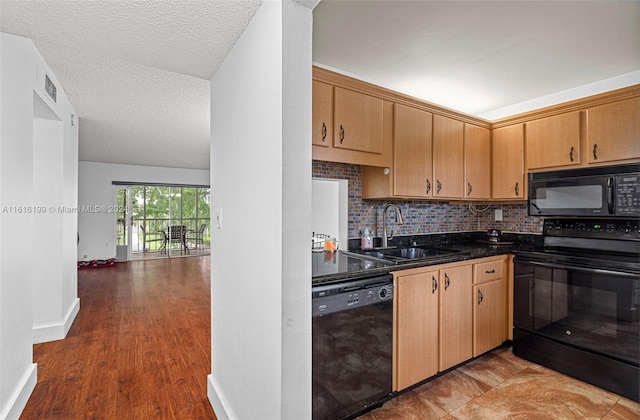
500, 385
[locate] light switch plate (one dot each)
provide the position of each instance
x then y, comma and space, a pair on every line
498, 215
219, 218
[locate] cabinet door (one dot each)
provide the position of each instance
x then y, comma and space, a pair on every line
553, 141
477, 162
456, 319
412, 152
448, 157
489, 314
507, 179
613, 131
322, 114
416, 329
358, 121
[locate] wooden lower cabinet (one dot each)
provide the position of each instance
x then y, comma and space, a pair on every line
416, 328
445, 315
433, 322
489, 305
489, 316
456, 325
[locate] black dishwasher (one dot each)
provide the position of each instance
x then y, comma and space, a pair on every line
352, 341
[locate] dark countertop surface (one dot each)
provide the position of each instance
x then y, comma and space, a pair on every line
338, 266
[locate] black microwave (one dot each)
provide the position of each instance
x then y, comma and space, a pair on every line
608, 191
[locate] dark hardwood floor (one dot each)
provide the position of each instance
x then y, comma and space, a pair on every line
140, 347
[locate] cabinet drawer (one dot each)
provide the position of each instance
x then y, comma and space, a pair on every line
487, 271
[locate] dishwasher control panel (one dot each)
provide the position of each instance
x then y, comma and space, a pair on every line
347, 296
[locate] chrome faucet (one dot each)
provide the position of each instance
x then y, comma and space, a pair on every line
399, 221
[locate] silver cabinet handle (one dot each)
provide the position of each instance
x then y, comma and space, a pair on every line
469, 189
324, 132
447, 281
428, 186
480, 297
341, 134
439, 186
434, 286
571, 154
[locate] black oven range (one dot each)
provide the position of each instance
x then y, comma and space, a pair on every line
577, 303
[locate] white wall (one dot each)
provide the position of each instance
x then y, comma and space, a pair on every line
261, 175
37, 271
98, 229
330, 208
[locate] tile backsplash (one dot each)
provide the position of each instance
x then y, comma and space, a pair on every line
422, 217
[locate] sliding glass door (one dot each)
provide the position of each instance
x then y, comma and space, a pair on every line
168, 220
123, 223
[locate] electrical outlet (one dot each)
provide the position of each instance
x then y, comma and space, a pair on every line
498, 215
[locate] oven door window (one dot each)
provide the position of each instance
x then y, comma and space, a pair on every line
584, 308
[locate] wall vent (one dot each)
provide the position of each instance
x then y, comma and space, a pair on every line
50, 88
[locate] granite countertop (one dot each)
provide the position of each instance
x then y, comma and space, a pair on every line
339, 266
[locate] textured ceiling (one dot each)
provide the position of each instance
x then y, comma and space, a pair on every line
137, 72
484, 58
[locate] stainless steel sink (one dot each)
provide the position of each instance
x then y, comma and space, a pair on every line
397, 255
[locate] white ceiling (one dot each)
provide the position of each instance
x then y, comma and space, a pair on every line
489, 59
138, 72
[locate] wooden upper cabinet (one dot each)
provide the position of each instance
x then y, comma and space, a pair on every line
412, 163
448, 157
322, 114
348, 126
477, 162
358, 121
553, 141
507, 179
613, 131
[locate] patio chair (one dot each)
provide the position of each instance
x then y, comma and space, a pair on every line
197, 236
148, 238
176, 234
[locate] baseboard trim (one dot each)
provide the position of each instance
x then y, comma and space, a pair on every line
45, 333
18, 400
218, 401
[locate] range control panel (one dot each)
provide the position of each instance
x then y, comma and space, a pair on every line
619, 229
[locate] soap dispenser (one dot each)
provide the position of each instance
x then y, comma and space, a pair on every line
366, 242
